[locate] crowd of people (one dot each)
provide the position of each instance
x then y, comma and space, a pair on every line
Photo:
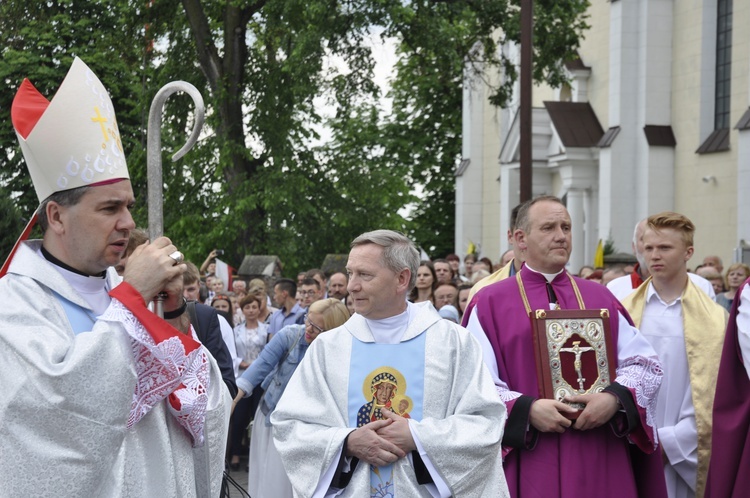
131, 372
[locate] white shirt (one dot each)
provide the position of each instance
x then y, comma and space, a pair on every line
662, 325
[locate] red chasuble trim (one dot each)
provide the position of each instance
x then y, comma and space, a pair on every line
24, 236
157, 327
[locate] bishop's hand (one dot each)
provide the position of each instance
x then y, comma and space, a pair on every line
150, 270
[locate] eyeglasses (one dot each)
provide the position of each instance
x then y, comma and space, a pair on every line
310, 323
308, 293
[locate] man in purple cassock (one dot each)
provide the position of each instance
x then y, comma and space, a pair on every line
610, 449
728, 475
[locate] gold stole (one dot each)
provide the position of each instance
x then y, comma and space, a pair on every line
704, 323
499, 275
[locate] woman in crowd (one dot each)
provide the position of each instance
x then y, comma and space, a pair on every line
733, 279
238, 317
272, 371
486, 264
463, 298
479, 273
250, 338
223, 304
350, 304
424, 290
469, 261
258, 287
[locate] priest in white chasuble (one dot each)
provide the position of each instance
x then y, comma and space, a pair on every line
397, 401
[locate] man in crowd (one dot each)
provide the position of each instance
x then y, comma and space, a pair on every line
209, 289
336, 425
686, 328
239, 287
713, 277
714, 262
443, 271
621, 287
445, 294
320, 276
549, 456
512, 265
310, 292
103, 397
227, 360
337, 286
507, 257
289, 312
609, 274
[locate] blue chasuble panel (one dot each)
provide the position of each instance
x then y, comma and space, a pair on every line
385, 376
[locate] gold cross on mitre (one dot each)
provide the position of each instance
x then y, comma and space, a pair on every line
101, 120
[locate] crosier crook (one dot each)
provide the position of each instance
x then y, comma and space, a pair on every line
153, 160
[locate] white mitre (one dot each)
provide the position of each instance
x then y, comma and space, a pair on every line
72, 141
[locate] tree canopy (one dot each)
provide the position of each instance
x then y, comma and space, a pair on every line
273, 174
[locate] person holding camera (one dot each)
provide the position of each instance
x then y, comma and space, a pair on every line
208, 268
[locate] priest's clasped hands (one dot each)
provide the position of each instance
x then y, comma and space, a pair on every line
548, 415
381, 442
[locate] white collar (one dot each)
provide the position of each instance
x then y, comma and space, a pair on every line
94, 290
390, 330
549, 276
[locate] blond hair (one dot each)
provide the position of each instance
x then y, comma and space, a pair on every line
675, 221
334, 312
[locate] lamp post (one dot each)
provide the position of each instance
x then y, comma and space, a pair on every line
527, 27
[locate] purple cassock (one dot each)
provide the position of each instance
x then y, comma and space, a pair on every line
729, 468
617, 459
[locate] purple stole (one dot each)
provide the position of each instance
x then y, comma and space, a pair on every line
576, 463
728, 471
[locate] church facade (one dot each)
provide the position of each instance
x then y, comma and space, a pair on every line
656, 117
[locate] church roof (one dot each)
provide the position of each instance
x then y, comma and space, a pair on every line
575, 122
256, 265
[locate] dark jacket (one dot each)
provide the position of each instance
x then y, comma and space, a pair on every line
208, 330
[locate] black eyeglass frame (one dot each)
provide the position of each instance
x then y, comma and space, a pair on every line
313, 324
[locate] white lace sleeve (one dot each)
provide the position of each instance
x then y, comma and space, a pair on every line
638, 368
165, 371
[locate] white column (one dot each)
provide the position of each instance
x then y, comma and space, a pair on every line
617, 164
575, 202
654, 165
469, 185
743, 186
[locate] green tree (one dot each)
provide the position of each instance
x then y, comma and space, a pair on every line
262, 180
11, 224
